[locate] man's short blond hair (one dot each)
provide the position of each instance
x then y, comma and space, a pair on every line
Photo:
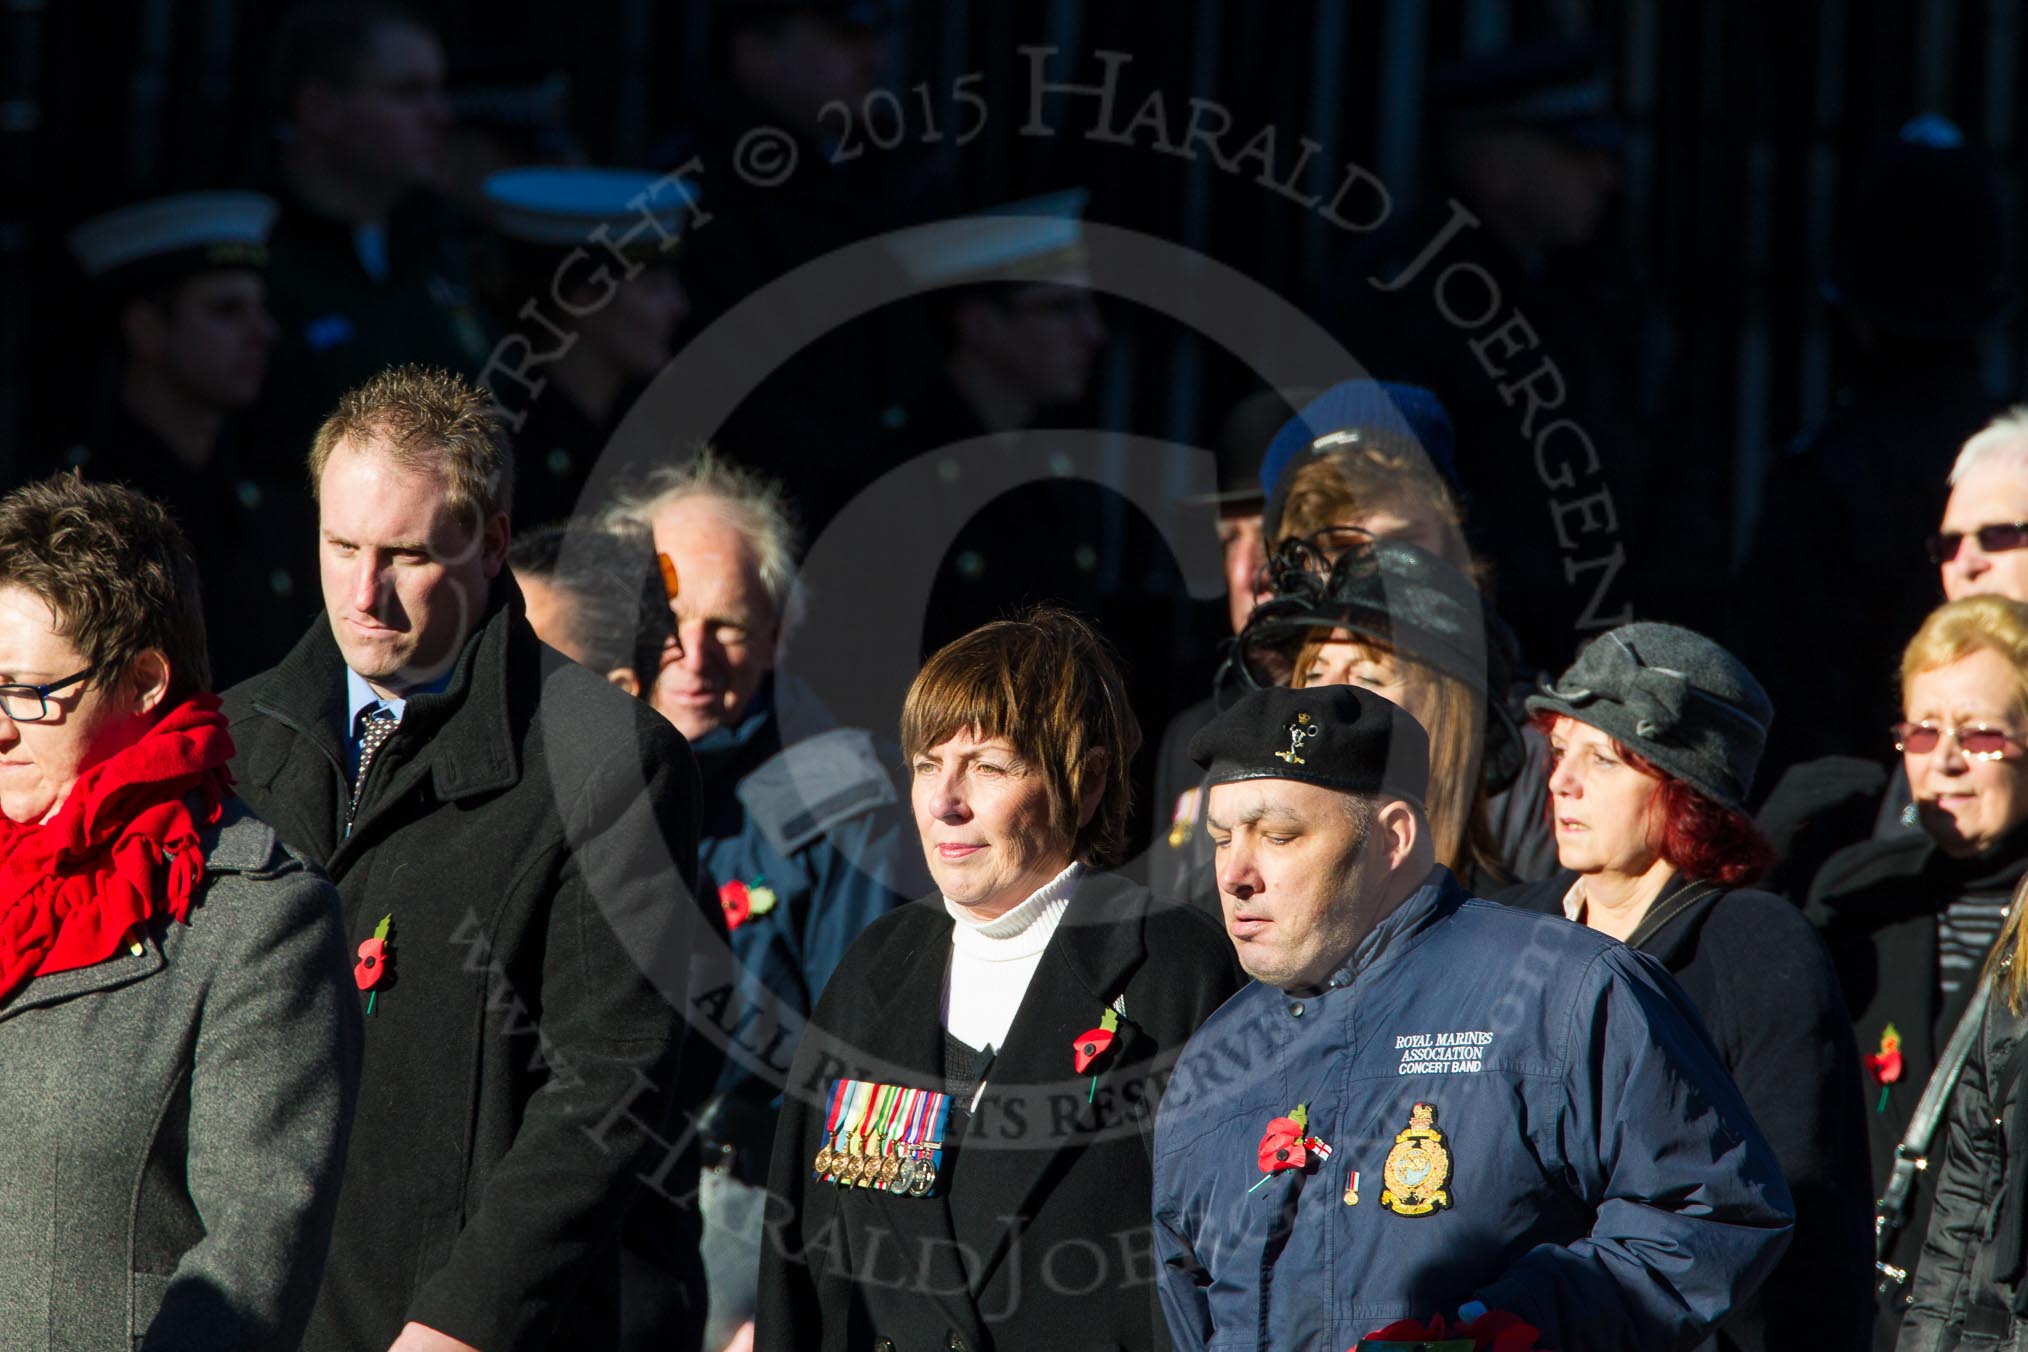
427, 419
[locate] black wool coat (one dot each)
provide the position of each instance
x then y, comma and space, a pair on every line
1876, 904
533, 835
1039, 1234
1767, 992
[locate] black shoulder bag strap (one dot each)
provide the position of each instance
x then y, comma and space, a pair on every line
1911, 1157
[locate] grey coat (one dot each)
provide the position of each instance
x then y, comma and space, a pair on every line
172, 1124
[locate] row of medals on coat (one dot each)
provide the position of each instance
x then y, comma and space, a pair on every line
882, 1136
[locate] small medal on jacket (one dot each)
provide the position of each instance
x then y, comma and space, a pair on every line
869, 1136
862, 1103
926, 1142
829, 1156
1352, 1190
891, 1139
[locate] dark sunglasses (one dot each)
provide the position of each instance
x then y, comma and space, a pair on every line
1979, 741
1996, 539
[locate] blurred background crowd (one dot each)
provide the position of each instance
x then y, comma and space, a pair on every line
1775, 315
1613, 312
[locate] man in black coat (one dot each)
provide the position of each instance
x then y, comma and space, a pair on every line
514, 843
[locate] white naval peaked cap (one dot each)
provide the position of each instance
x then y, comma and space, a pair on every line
563, 205
1038, 239
195, 229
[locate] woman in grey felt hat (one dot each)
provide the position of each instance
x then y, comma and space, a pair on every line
1655, 733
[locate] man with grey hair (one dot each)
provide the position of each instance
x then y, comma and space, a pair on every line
803, 841
729, 534
1982, 545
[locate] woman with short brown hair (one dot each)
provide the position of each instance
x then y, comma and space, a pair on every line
981, 1075
181, 1055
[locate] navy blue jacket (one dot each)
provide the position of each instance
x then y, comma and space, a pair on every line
819, 826
1606, 1181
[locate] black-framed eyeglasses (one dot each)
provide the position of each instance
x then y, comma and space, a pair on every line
30, 703
1979, 741
1994, 539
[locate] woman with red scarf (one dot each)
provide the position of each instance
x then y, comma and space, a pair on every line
177, 1053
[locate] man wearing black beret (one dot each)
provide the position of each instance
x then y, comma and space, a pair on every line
1429, 1110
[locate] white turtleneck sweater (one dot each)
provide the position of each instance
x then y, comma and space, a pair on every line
992, 961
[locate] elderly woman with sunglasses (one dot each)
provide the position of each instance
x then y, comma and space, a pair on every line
1910, 919
179, 1053
1655, 734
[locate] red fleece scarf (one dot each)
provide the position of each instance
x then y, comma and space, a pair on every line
121, 849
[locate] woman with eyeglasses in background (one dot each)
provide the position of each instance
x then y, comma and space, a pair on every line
1911, 919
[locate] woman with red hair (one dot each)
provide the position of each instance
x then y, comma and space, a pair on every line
1654, 735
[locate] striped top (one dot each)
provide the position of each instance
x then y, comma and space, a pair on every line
1964, 935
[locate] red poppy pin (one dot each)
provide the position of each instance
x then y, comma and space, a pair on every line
738, 906
1885, 1064
1287, 1144
1092, 1044
371, 965
741, 902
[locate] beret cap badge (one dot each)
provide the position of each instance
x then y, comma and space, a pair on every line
1338, 737
1300, 731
